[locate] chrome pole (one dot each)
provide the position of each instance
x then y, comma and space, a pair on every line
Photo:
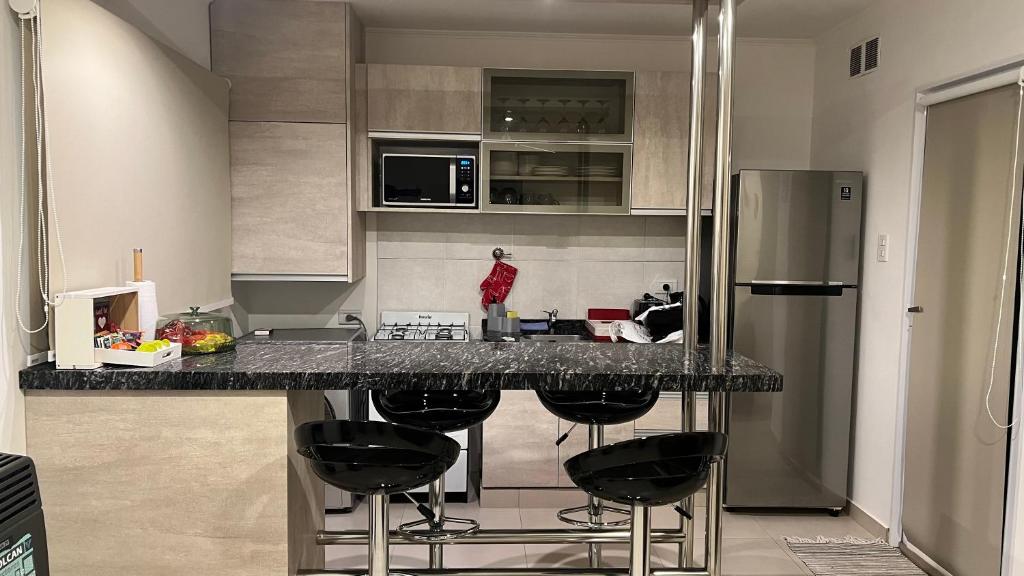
720, 275
694, 172
717, 410
595, 507
640, 541
694, 181
378, 536
506, 536
436, 497
723, 180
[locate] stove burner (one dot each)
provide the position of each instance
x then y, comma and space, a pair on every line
443, 336
399, 335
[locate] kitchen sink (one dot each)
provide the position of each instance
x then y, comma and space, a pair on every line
553, 338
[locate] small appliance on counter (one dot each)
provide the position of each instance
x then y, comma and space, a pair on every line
198, 332
464, 477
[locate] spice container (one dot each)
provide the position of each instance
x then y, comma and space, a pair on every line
198, 332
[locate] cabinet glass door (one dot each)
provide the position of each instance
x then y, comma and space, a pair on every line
558, 105
556, 178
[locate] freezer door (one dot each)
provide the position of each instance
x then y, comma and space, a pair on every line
791, 449
798, 226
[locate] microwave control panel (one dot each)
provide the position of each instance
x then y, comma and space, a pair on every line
465, 180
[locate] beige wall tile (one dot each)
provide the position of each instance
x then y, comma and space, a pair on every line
609, 285
407, 235
474, 236
543, 285
665, 238
655, 273
607, 238
546, 238
410, 285
462, 287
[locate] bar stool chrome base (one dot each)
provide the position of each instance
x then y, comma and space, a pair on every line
565, 515
435, 533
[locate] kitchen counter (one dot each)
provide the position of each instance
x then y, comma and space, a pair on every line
429, 365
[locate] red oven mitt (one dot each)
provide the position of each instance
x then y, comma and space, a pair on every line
498, 283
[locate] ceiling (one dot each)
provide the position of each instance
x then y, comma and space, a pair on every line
755, 19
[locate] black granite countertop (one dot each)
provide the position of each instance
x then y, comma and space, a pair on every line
427, 365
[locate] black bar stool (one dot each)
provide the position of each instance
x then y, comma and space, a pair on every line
376, 459
441, 411
596, 409
646, 472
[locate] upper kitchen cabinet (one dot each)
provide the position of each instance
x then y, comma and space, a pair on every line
286, 60
417, 99
290, 200
558, 106
661, 140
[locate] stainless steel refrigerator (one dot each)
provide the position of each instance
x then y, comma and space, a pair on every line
796, 272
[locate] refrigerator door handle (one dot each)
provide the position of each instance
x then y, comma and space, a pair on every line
796, 289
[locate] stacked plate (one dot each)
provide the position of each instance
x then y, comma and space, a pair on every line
551, 171
597, 171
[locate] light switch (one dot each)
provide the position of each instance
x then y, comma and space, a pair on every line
883, 248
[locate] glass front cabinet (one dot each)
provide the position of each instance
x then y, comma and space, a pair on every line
557, 105
548, 177
557, 141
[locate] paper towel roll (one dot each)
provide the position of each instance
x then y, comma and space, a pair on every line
148, 312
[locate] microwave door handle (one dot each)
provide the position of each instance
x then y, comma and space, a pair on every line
452, 173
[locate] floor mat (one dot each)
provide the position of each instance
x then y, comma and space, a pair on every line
851, 557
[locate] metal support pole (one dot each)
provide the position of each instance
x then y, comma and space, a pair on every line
723, 182
595, 508
717, 410
640, 541
694, 173
436, 497
378, 536
686, 524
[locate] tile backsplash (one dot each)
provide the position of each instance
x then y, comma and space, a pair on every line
437, 261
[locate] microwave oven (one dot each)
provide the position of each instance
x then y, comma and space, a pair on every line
425, 176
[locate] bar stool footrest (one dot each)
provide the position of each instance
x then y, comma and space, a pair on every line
565, 515
411, 529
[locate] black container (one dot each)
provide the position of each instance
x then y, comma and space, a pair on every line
22, 530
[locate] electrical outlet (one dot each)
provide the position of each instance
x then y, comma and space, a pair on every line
343, 313
883, 248
658, 287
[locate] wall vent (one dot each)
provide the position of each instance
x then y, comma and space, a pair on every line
864, 58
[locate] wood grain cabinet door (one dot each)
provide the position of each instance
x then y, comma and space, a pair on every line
289, 198
285, 60
519, 444
406, 98
661, 140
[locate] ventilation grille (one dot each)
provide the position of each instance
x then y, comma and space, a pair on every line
18, 489
856, 57
864, 58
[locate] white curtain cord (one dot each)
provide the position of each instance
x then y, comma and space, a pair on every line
46, 195
1006, 265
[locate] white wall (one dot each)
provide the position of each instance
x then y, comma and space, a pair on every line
181, 24
867, 124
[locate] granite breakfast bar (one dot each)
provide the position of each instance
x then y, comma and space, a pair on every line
191, 467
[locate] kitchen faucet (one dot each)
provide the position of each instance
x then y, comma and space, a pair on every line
552, 318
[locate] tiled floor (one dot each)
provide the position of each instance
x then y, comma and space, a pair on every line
753, 544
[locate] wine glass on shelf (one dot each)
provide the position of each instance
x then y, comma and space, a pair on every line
582, 127
523, 124
602, 124
543, 125
563, 124
506, 116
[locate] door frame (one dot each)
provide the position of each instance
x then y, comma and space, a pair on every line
1000, 75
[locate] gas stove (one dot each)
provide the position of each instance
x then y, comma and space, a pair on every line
418, 326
